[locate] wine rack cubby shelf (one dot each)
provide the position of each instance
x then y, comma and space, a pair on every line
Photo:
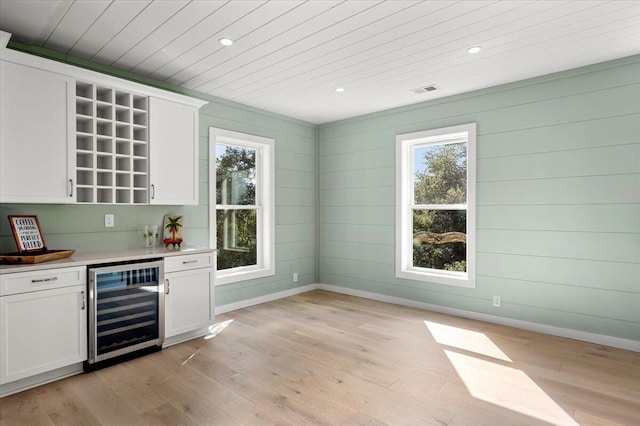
112, 145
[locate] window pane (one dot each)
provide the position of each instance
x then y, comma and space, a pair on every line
236, 238
439, 239
235, 175
440, 174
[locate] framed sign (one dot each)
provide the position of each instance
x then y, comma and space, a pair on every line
27, 233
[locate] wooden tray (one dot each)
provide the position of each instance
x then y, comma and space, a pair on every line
17, 258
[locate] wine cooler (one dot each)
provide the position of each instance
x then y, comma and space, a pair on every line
126, 309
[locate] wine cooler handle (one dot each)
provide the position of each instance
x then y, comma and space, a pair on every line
83, 300
167, 283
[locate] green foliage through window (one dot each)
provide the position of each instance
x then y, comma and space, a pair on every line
439, 231
236, 238
236, 228
439, 239
235, 175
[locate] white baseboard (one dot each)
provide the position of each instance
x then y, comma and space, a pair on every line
600, 339
40, 379
263, 299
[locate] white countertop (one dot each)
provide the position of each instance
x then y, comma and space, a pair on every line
92, 258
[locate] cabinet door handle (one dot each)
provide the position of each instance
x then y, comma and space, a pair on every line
70, 187
186, 262
83, 300
166, 281
153, 191
42, 280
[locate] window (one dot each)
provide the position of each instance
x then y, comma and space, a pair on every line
242, 222
435, 205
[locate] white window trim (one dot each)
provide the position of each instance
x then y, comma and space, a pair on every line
265, 200
404, 191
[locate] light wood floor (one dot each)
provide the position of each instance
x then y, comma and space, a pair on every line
326, 358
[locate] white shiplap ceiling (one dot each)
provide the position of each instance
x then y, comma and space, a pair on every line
290, 56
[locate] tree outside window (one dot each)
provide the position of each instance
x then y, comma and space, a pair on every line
439, 231
236, 208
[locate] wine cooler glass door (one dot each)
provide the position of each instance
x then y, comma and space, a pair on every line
127, 302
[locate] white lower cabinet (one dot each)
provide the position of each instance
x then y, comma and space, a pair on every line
43, 322
188, 301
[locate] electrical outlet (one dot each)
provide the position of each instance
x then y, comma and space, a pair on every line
109, 220
295, 277
497, 301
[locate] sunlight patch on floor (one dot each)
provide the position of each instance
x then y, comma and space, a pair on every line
217, 328
507, 387
467, 340
493, 382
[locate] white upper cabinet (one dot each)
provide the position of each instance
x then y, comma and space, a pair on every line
37, 157
173, 133
73, 135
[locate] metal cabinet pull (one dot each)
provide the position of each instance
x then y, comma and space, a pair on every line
153, 191
167, 283
83, 300
42, 280
186, 262
71, 187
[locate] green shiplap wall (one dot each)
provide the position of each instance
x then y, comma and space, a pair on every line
81, 227
558, 199
295, 169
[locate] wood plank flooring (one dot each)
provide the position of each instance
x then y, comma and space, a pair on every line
327, 358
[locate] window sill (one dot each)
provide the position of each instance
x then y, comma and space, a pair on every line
429, 277
234, 277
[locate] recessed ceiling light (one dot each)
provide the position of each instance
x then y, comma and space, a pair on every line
474, 49
225, 41
339, 89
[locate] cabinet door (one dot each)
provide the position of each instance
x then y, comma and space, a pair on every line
173, 145
37, 156
42, 331
188, 301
